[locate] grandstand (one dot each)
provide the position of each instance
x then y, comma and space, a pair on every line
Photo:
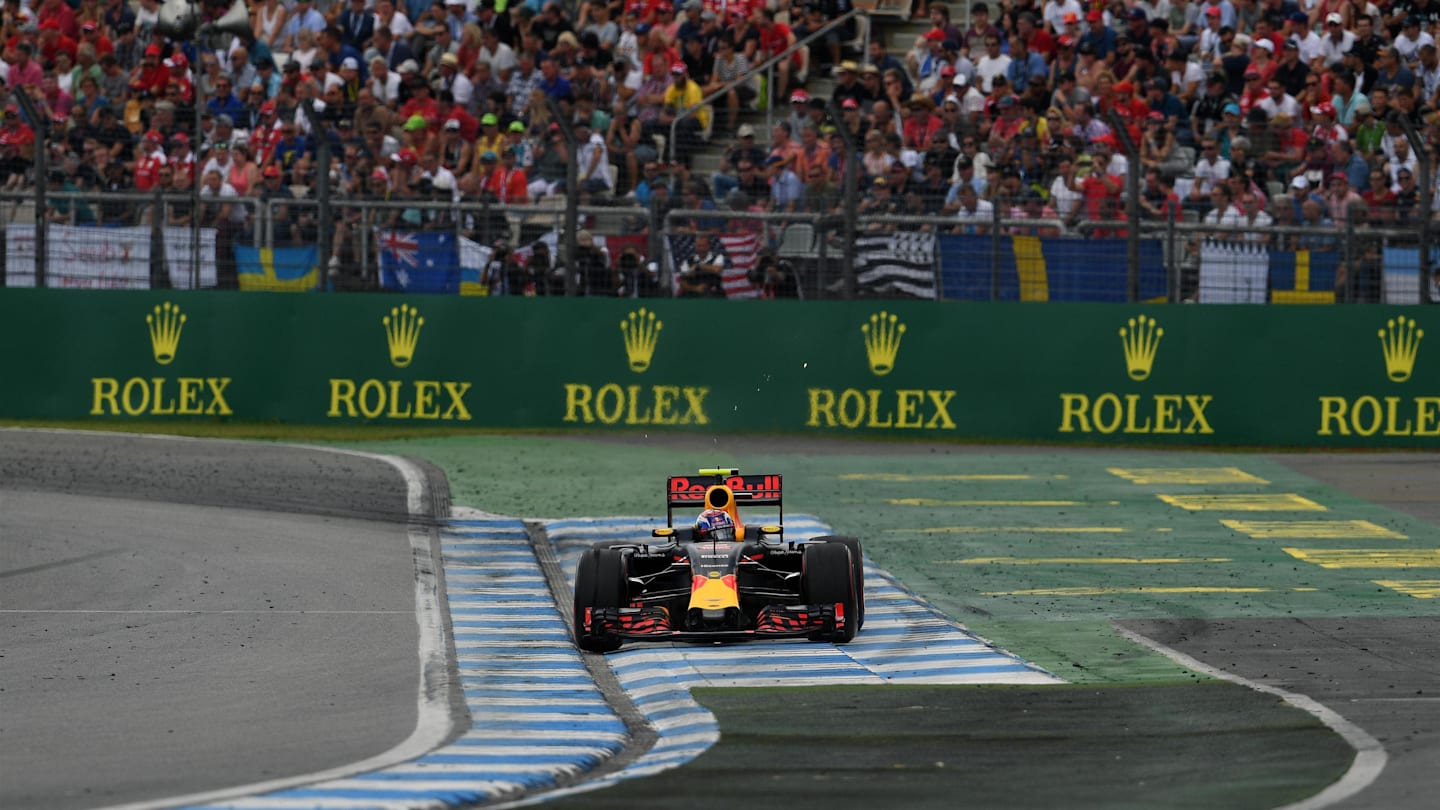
1129, 151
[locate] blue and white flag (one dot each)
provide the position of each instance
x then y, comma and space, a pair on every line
419, 261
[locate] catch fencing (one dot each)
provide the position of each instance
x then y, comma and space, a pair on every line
439, 246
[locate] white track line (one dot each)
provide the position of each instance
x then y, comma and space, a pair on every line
1370, 755
433, 723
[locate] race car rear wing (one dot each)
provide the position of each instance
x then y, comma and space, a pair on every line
750, 490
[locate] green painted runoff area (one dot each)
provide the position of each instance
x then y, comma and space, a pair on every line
1036, 551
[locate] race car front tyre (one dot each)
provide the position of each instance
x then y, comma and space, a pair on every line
857, 564
828, 579
599, 583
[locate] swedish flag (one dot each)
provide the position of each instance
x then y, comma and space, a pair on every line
293, 269
1303, 276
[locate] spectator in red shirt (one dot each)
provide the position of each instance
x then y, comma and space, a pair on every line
149, 161
58, 13
17, 149
25, 71
53, 42
774, 39
150, 76
90, 32
919, 127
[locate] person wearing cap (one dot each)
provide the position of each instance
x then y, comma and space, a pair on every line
148, 160
1291, 70
1211, 43
1298, 28
981, 26
506, 181
1413, 36
148, 77
1098, 35
1337, 40
681, 109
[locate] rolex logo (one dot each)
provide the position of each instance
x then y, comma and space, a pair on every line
165, 325
1400, 340
402, 332
642, 333
1141, 339
882, 342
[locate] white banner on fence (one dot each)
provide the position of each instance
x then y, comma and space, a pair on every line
1233, 273
105, 258
180, 256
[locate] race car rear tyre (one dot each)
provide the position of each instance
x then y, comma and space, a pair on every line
857, 563
828, 578
599, 583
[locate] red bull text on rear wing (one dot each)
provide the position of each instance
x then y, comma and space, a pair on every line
749, 490
752, 490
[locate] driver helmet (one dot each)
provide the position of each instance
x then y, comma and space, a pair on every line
715, 526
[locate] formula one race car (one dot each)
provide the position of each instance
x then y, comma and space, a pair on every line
718, 579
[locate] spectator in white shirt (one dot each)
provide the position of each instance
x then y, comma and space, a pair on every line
1337, 41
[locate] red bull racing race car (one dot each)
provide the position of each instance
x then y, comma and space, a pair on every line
716, 579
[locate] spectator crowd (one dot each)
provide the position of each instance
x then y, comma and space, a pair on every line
1242, 113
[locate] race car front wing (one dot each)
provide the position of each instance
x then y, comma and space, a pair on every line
653, 623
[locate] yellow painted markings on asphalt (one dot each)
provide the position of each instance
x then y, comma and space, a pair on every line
938, 502
904, 478
1338, 529
1141, 590
1084, 560
1015, 529
1257, 502
1186, 475
1418, 588
1368, 557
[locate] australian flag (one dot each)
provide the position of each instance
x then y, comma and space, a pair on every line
419, 261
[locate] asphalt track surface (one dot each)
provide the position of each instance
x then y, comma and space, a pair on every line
102, 708
264, 628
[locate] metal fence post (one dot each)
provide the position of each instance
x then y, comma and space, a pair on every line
1427, 190
1347, 255
1132, 202
1172, 261
41, 124
572, 192
995, 250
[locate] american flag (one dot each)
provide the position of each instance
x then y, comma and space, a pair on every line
743, 250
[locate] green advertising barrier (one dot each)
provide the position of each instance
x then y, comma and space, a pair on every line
1096, 373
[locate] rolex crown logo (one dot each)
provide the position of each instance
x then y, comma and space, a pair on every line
642, 333
165, 324
1400, 341
1141, 339
402, 332
882, 342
